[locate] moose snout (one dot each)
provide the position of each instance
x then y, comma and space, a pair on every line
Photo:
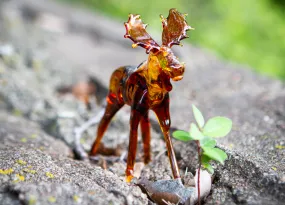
177, 72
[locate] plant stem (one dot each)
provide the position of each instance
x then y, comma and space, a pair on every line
199, 168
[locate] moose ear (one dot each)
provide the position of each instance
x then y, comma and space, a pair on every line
174, 28
136, 31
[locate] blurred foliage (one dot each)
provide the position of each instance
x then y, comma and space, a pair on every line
250, 32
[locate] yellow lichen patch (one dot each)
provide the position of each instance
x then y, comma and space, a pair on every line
24, 139
32, 200
31, 171
17, 112
21, 162
37, 65
6, 171
82, 141
264, 137
49, 175
231, 146
19, 177
52, 199
280, 147
41, 148
76, 198
274, 168
33, 136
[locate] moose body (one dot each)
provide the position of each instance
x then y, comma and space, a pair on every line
145, 88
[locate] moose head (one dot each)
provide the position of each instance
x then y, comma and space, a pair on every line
161, 57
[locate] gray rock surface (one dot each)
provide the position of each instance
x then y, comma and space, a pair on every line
38, 169
45, 46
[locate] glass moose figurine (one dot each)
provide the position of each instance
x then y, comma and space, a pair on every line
146, 87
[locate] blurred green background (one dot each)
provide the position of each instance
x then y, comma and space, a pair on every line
250, 32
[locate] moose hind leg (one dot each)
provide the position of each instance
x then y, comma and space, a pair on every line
133, 139
111, 109
145, 129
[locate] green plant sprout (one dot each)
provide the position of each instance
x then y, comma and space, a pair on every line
204, 134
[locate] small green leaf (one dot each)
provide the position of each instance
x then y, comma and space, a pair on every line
182, 135
205, 159
205, 163
198, 116
195, 132
208, 142
208, 167
215, 154
217, 127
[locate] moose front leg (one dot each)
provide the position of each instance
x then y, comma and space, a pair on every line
162, 112
145, 129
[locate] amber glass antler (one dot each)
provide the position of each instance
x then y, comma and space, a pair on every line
136, 31
174, 28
